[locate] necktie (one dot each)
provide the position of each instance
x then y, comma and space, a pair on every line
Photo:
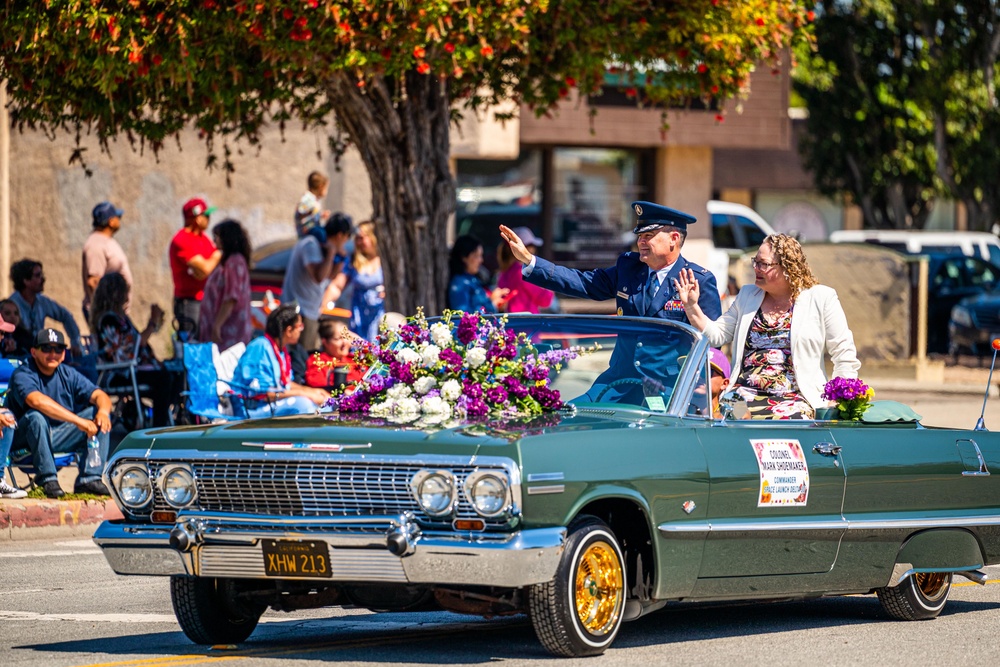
654, 284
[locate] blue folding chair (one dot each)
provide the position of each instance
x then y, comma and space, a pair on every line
202, 398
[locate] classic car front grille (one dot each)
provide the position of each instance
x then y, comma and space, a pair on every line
987, 317
297, 488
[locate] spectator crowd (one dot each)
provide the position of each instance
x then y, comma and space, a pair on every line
60, 381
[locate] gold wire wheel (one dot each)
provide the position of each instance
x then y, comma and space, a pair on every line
933, 585
600, 587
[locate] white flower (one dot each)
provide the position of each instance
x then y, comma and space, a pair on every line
475, 357
408, 355
435, 405
397, 392
406, 406
424, 385
451, 390
441, 334
430, 355
381, 409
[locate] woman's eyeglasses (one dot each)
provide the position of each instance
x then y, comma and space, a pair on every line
760, 266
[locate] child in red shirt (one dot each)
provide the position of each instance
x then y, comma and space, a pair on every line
335, 352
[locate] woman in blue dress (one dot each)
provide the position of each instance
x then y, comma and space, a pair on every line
465, 291
364, 271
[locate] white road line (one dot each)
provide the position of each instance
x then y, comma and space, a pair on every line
38, 554
87, 618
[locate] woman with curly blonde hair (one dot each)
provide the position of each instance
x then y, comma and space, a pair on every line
780, 328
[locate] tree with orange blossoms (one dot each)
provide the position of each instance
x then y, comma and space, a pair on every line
388, 76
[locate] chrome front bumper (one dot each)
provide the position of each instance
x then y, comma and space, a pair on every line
380, 549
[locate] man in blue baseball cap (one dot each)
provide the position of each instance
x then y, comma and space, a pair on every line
642, 283
102, 254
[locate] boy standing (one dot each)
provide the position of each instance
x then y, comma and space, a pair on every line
310, 213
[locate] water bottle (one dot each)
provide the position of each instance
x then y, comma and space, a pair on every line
93, 452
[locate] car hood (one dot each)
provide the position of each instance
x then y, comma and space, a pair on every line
363, 435
986, 299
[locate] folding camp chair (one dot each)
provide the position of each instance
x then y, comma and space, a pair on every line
207, 397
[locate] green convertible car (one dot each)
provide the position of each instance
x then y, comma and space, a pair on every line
629, 497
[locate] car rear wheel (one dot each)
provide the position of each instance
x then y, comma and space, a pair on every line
919, 596
579, 612
208, 611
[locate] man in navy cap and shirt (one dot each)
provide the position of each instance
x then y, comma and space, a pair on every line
641, 282
58, 410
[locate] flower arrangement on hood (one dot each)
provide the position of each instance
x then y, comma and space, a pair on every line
853, 396
463, 366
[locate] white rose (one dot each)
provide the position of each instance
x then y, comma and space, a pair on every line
398, 391
441, 334
475, 357
430, 355
451, 390
424, 385
408, 356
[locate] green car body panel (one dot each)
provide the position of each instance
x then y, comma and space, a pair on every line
685, 495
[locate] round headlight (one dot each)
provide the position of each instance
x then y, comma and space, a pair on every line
487, 493
435, 492
178, 487
134, 487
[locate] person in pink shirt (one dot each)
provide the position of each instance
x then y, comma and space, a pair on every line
224, 316
523, 296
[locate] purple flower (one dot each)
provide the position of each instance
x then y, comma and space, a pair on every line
452, 358
402, 372
514, 387
547, 398
467, 328
536, 372
844, 389
472, 389
497, 395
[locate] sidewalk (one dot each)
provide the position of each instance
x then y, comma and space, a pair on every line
30, 518
40, 518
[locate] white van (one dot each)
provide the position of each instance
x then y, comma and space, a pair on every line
971, 244
736, 227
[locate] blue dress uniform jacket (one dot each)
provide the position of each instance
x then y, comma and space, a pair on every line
645, 357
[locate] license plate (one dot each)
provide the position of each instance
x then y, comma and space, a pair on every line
287, 558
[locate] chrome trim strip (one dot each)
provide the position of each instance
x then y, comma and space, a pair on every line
960, 522
541, 490
304, 446
546, 477
668, 529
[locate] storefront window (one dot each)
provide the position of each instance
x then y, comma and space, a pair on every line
590, 191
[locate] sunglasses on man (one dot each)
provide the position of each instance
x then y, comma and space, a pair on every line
51, 349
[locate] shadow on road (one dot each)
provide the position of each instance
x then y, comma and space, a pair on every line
446, 638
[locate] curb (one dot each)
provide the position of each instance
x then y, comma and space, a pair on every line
31, 519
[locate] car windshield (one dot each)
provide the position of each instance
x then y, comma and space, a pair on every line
624, 361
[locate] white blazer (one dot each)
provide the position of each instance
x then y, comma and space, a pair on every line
818, 325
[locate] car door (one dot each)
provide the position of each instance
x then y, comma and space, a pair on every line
775, 499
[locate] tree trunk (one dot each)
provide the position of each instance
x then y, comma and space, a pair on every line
401, 128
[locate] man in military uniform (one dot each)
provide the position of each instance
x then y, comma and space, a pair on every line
643, 285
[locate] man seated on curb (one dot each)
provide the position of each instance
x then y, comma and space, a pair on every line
58, 410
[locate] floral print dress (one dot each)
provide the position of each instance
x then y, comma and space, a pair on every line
767, 378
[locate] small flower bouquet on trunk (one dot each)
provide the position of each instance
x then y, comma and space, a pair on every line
853, 397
